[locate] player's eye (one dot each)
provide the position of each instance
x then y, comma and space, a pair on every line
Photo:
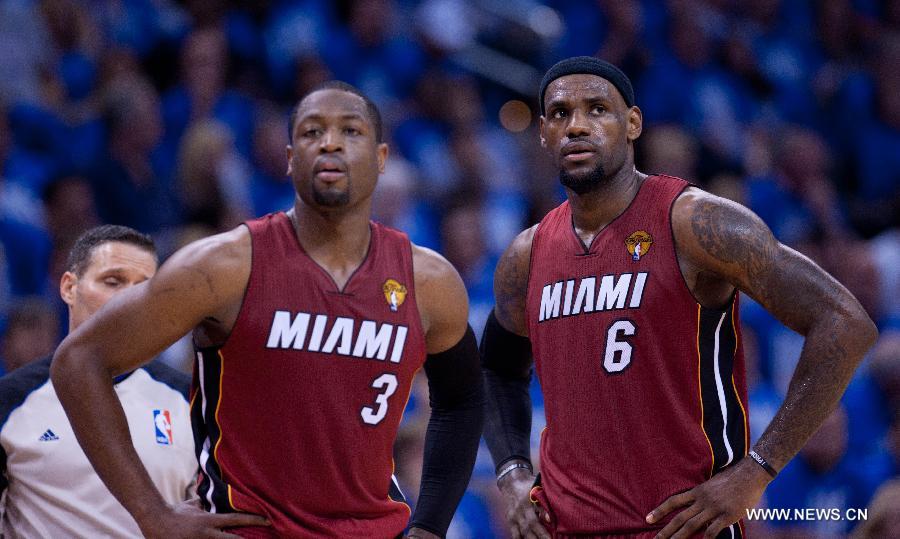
112, 282
558, 113
312, 132
352, 131
598, 109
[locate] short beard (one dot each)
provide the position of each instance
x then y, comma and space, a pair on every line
583, 183
331, 199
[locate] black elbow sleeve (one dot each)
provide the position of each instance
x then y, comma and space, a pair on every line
506, 360
456, 387
505, 353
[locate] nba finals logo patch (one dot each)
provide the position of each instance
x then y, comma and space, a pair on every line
638, 244
162, 421
394, 293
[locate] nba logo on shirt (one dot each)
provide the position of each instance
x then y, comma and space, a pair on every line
162, 421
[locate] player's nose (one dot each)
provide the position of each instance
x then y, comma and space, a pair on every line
578, 125
331, 141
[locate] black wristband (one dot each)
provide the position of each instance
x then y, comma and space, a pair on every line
762, 462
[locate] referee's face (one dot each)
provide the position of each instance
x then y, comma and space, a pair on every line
114, 266
588, 129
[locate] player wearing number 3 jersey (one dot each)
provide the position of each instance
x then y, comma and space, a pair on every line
626, 297
310, 326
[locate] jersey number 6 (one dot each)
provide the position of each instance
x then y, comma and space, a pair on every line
387, 383
617, 355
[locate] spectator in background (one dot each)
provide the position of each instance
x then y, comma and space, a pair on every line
669, 149
212, 177
309, 72
203, 93
32, 332
884, 513
877, 158
798, 199
885, 368
397, 203
132, 184
71, 211
463, 243
270, 188
371, 50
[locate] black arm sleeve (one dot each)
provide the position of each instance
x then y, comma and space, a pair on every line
506, 360
454, 430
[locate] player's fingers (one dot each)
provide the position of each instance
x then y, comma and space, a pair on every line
674, 502
514, 532
230, 520
676, 523
715, 527
690, 527
539, 531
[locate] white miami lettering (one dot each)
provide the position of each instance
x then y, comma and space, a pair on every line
366, 340
613, 292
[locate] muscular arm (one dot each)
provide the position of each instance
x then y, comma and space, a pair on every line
204, 280
456, 393
730, 242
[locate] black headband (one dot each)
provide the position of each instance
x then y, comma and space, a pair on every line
589, 65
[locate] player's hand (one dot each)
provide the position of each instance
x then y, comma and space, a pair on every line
714, 504
520, 512
187, 520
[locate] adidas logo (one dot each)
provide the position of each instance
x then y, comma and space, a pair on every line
48, 436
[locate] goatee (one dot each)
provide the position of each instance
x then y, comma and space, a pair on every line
331, 199
583, 183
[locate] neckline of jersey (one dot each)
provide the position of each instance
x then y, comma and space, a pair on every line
325, 272
585, 249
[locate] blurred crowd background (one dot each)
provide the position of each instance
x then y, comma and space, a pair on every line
171, 117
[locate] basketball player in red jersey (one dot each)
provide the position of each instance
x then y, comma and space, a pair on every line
310, 326
626, 297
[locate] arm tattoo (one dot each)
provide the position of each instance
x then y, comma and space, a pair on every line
747, 244
510, 284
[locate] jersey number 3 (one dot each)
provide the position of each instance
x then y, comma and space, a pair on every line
387, 384
617, 354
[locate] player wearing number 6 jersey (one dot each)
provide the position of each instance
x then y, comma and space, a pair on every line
310, 326
626, 298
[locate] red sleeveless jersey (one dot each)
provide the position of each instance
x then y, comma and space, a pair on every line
644, 389
295, 415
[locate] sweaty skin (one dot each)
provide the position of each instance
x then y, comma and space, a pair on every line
200, 289
721, 246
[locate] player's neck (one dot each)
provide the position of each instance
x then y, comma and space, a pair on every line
592, 211
338, 241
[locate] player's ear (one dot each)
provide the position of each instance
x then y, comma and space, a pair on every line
67, 287
635, 123
288, 150
382, 153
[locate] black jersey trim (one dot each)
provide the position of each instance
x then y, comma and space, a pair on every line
212, 489
723, 417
